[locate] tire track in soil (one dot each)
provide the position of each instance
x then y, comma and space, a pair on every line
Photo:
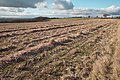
34, 31
65, 33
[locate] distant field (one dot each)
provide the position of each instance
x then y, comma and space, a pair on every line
60, 49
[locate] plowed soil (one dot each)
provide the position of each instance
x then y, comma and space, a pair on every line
65, 49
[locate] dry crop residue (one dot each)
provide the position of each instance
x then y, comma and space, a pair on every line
60, 50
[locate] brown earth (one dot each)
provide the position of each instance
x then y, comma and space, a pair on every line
65, 49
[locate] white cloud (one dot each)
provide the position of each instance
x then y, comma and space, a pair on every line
19, 8
12, 12
113, 10
11, 9
62, 4
59, 11
41, 5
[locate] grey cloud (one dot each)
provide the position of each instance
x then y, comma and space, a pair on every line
63, 4
19, 3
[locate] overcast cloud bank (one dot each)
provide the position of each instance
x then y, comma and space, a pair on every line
58, 8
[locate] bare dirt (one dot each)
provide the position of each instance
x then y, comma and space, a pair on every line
65, 49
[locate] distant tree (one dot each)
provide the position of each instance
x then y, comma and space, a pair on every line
105, 15
96, 16
112, 17
118, 17
89, 16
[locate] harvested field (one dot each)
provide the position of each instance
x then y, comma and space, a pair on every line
69, 49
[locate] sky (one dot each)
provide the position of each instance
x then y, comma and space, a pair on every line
58, 8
